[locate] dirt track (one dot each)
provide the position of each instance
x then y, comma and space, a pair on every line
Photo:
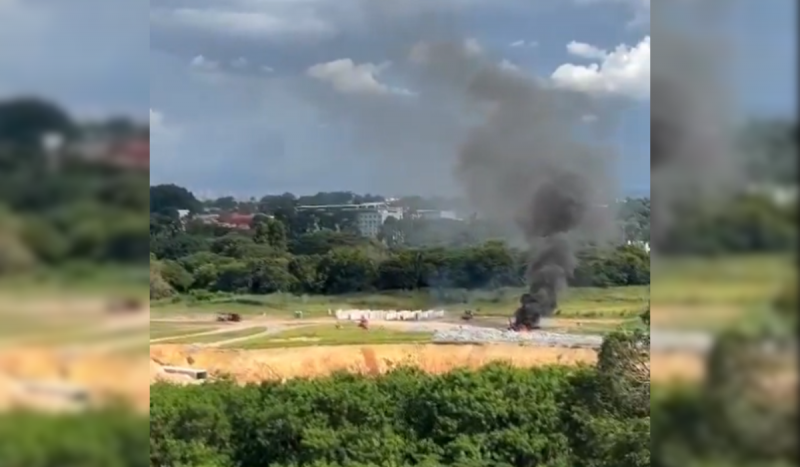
313, 361
280, 364
76, 345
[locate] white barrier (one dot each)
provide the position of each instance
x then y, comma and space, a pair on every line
388, 315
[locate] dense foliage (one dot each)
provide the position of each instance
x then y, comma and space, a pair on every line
265, 261
497, 416
107, 438
77, 210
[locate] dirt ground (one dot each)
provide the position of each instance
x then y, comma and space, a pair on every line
43, 375
693, 316
279, 364
104, 375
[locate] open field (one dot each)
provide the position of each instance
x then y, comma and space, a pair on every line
162, 330
79, 282
329, 335
284, 363
616, 302
213, 337
727, 281
69, 343
686, 294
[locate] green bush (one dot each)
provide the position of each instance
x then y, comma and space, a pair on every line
108, 438
496, 416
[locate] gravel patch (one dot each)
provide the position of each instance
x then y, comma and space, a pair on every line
659, 340
666, 341
478, 335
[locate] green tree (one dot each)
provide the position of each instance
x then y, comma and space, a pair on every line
346, 270
270, 232
170, 197
23, 121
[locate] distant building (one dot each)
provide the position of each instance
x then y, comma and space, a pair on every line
236, 220
230, 220
638, 243
129, 154
370, 216
435, 214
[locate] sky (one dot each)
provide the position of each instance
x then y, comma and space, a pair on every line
232, 87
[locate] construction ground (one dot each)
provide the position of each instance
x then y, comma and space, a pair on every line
73, 352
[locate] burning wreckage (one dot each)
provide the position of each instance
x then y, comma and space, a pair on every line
557, 207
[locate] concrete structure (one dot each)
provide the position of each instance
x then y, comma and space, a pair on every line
435, 214
131, 153
231, 220
638, 243
194, 373
388, 315
370, 216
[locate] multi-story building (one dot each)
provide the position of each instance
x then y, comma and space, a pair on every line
435, 214
130, 153
370, 216
231, 220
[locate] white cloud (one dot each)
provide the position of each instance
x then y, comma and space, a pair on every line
156, 120
240, 62
202, 63
252, 20
506, 64
267, 69
584, 50
623, 71
523, 43
472, 46
163, 133
348, 77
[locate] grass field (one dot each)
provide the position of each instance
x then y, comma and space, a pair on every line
599, 326
215, 337
616, 302
688, 293
744, 280
85, 336
328, 335
164, 330
79, 281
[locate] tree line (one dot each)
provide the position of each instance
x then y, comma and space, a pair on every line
77, 211
264, 261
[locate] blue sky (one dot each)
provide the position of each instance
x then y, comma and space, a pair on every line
221, 125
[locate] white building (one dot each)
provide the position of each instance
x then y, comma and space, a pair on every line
370, 216
640, 244
435, 214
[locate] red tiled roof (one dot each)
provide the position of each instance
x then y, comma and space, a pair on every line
238, 219
133, 154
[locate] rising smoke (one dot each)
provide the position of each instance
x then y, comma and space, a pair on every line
519, 148
692, 157
524, 160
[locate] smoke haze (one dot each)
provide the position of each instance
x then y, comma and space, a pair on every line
693, 114
520, 149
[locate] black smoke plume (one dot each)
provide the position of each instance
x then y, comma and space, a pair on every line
556, 208
526, 153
